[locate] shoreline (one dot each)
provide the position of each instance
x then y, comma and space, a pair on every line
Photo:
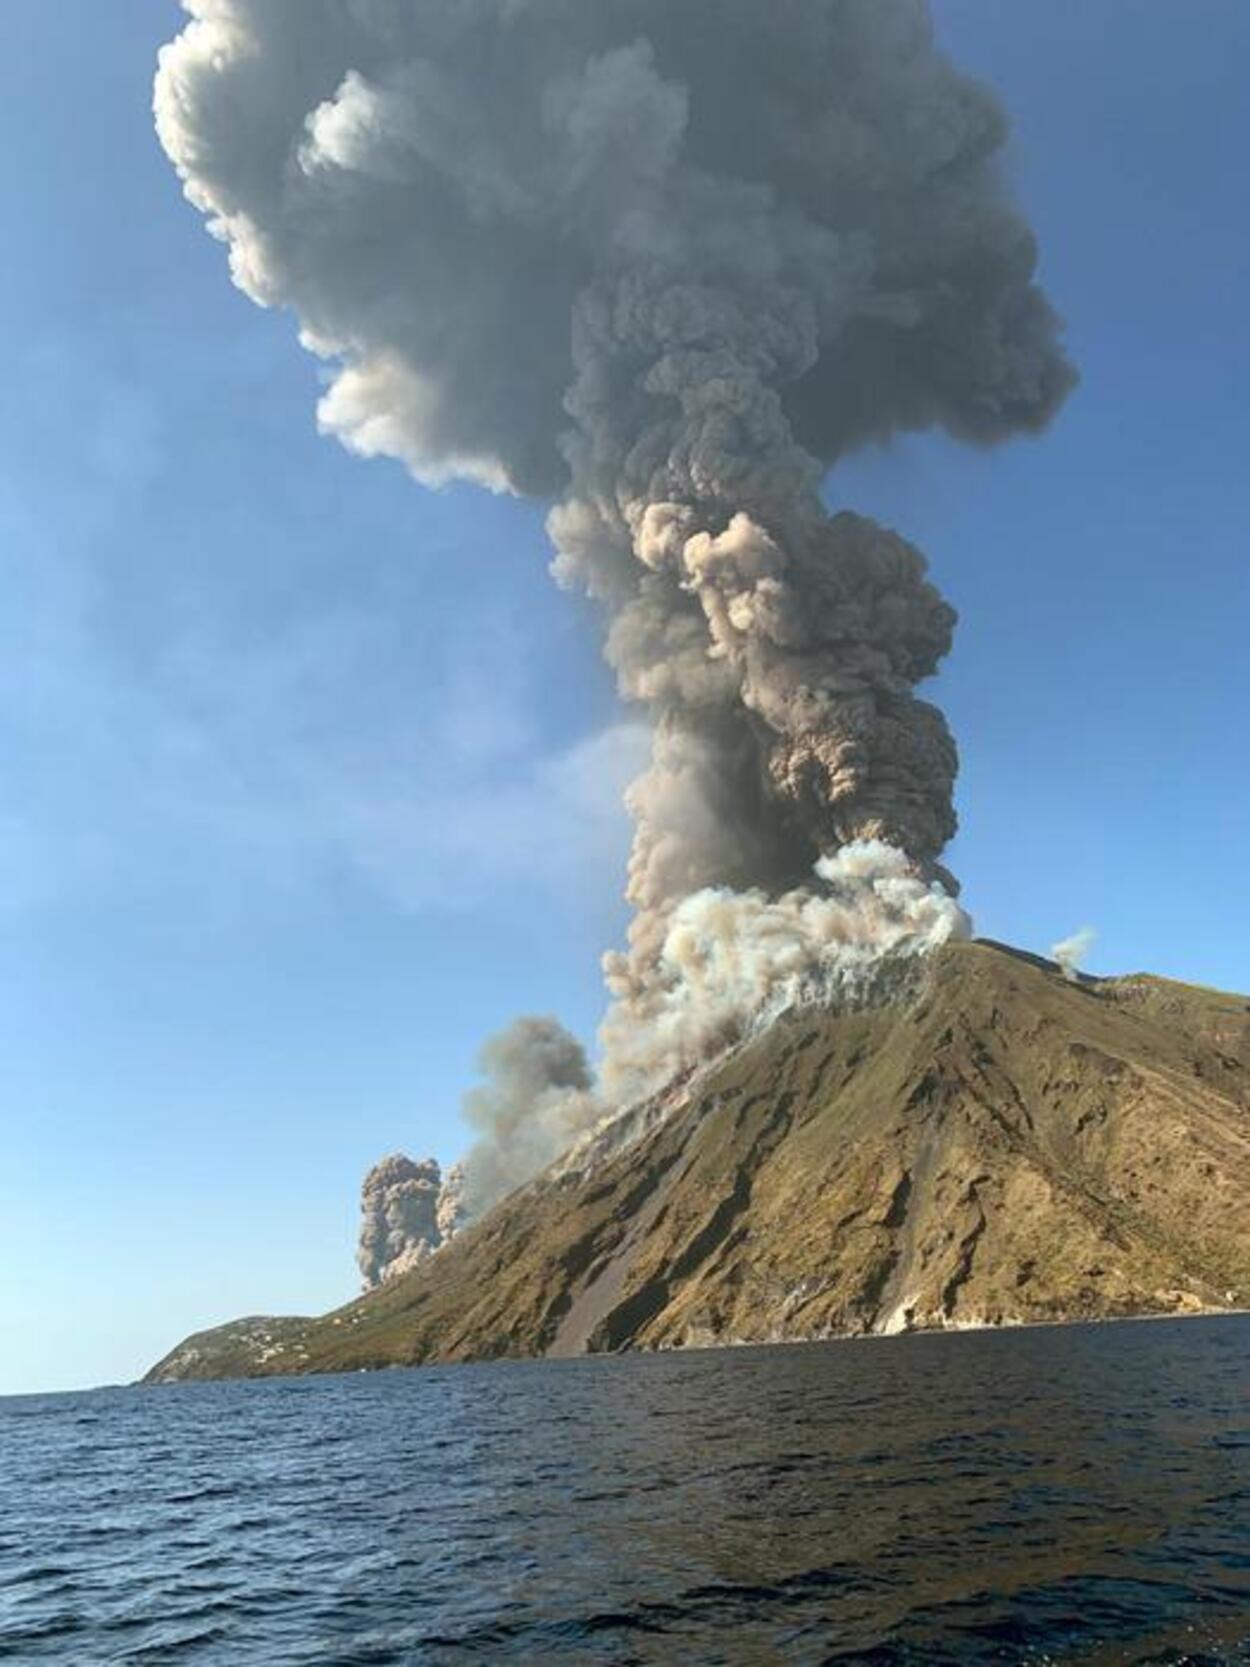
726, 1346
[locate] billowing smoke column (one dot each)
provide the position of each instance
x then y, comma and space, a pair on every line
665, 260
407, 1211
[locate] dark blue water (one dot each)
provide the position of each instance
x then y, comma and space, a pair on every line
1078, 1495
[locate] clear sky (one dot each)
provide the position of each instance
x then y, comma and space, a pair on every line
311, 775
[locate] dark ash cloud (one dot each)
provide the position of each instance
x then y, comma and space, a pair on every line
665, 261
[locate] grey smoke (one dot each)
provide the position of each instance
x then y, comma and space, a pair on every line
536, 1097
407, 1212
666, 261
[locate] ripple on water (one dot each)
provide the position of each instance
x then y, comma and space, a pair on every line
1075, 1495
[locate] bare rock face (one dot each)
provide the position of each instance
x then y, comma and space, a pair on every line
993, 1144
405, 1216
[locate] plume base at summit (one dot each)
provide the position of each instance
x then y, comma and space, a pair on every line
995, 1145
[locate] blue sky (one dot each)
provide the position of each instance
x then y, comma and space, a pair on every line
311, 775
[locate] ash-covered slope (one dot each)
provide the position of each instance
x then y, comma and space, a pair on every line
998, 1146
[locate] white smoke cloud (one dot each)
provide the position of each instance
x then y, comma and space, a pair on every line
1071, 952
730, 958
377, 408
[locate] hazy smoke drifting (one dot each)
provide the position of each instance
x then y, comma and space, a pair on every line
535, 1100
666, 260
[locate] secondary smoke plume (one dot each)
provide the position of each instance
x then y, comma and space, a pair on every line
399, 1224
537, 1097
1070, 952
665, 260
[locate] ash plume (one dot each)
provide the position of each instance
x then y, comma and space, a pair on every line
664, 261
399, 1218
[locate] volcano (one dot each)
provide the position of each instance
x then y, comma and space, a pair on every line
995, 1144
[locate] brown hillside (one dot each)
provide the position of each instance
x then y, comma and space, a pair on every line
998, 1146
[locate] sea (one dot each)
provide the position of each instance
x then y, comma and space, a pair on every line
1069, 1494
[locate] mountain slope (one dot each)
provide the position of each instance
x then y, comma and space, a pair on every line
998, 1145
